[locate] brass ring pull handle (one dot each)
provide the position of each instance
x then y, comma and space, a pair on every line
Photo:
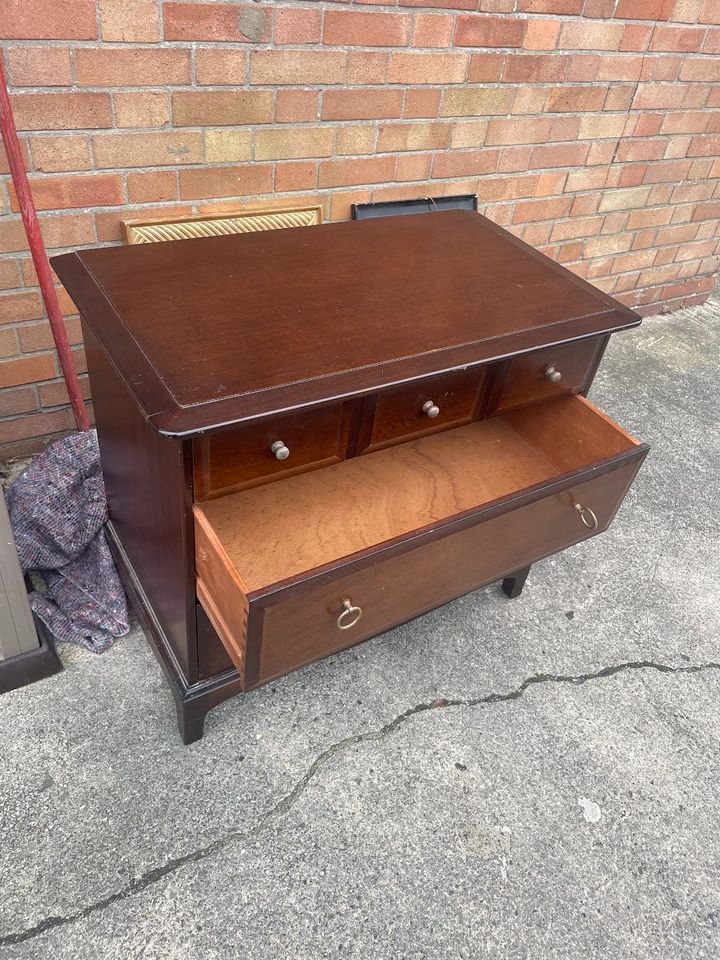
349, 616
587, 516
552, 374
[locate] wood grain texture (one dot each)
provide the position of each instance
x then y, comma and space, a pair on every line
399, 415
226, 329
147, 481
275, 532
303, 629
525, 381
240, 457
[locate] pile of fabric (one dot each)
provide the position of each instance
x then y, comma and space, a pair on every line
57, 511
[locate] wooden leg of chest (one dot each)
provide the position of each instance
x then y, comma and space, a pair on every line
513, 586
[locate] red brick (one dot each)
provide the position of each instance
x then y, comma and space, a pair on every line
413, 166
55, 393
486, 67
712, 43
142, 109
27, 370
40, 20
366, 29
9, 276
710, 12
551, 6
707, 211
481, 31
565, 98
641, 150
301, 175
704, 146
221, 108
293, 143
367, 66
636, 36
129, 21
38, 336
39, 66
296, 106
465, 163
301, 67
33, 425
514, 159
152, 186
361, 104
559, 155
641, 9
163, 149
18, 307
519, 130
683, 39
453, 4
239, 181
433, 30
589, 35
54, 154
297, 25
21, 400
61, 111
139, 66
339, 173
54, 193
422, 103
397, 137
528, 210
217, 66
216, 21
528, 68
67, 230
542, 34
416, 68
700, 68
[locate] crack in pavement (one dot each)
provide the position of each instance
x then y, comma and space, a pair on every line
150, 877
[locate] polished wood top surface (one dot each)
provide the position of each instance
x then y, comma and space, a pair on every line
214, 331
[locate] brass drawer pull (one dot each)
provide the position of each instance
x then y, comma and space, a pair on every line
280, 450
553, 375
587, 516
354, 613
430, 409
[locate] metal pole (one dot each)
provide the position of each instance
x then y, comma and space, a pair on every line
39, 255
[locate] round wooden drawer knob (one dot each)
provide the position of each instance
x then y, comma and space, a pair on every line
430, 409
553, 375
280, 450
349, 616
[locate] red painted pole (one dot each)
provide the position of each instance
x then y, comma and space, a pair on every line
39, 255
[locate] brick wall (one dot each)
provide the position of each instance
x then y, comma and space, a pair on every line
589, 127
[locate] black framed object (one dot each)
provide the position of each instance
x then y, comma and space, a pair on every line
395, 208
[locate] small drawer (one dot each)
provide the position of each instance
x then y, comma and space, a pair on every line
296, 570
421, 408
256, 453
547, 373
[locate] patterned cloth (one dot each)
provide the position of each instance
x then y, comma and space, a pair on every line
57, 511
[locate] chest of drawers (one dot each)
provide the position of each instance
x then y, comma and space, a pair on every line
310, 436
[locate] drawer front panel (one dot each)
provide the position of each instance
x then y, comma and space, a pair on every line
534, 376
304, 628
416, 409
233, 459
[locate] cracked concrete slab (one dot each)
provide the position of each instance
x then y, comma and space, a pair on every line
527, 778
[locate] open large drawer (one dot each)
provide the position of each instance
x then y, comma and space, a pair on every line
297, 569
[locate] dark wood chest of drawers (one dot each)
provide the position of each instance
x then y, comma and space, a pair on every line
312, 435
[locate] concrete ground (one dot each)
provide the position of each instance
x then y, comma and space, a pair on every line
534, 778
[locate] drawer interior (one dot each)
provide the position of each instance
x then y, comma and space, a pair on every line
272, 533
